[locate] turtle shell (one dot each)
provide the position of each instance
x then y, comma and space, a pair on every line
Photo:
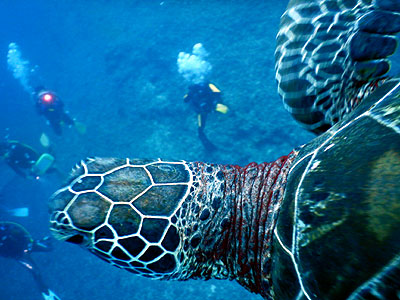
125, 212
338, 232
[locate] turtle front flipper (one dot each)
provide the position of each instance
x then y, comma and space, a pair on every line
331, 54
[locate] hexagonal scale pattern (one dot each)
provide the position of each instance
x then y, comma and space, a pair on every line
153, 229
160, 200
124, 219
86, 183
125, 184
168, 173
88, 211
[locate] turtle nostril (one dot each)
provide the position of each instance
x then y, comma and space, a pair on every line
76, 239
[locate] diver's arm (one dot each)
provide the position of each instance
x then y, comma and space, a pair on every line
46, 293
217, 99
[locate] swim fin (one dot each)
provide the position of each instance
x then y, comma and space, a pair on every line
50, 295
19, 212
222, 108
213, 88
80, 127
44, 140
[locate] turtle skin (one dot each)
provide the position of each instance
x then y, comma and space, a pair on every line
338, 231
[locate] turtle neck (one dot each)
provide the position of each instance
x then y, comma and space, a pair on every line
227, 223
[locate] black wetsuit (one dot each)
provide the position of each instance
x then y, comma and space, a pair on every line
16, 243
203, 100
53, 111
19, 157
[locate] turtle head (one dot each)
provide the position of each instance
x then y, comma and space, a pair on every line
125, 211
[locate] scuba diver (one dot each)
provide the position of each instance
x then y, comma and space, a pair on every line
205, 98
47, 102
50, 105
17, 243
24, 160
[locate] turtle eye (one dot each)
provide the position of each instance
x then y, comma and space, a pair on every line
76, 239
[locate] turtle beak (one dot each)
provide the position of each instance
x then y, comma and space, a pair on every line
63, 231
76, 239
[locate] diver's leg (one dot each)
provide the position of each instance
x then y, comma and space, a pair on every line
46, 293
205, 141
203, 138
55, 119
55, 124
67, 119
28, 263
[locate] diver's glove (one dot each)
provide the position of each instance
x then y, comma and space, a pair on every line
50, 296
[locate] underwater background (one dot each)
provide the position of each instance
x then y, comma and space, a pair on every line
114, 65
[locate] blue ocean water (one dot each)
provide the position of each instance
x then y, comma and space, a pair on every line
113, 63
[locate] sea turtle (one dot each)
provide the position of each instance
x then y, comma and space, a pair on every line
322, 222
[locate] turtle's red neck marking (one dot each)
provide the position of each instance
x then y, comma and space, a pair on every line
234, 217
